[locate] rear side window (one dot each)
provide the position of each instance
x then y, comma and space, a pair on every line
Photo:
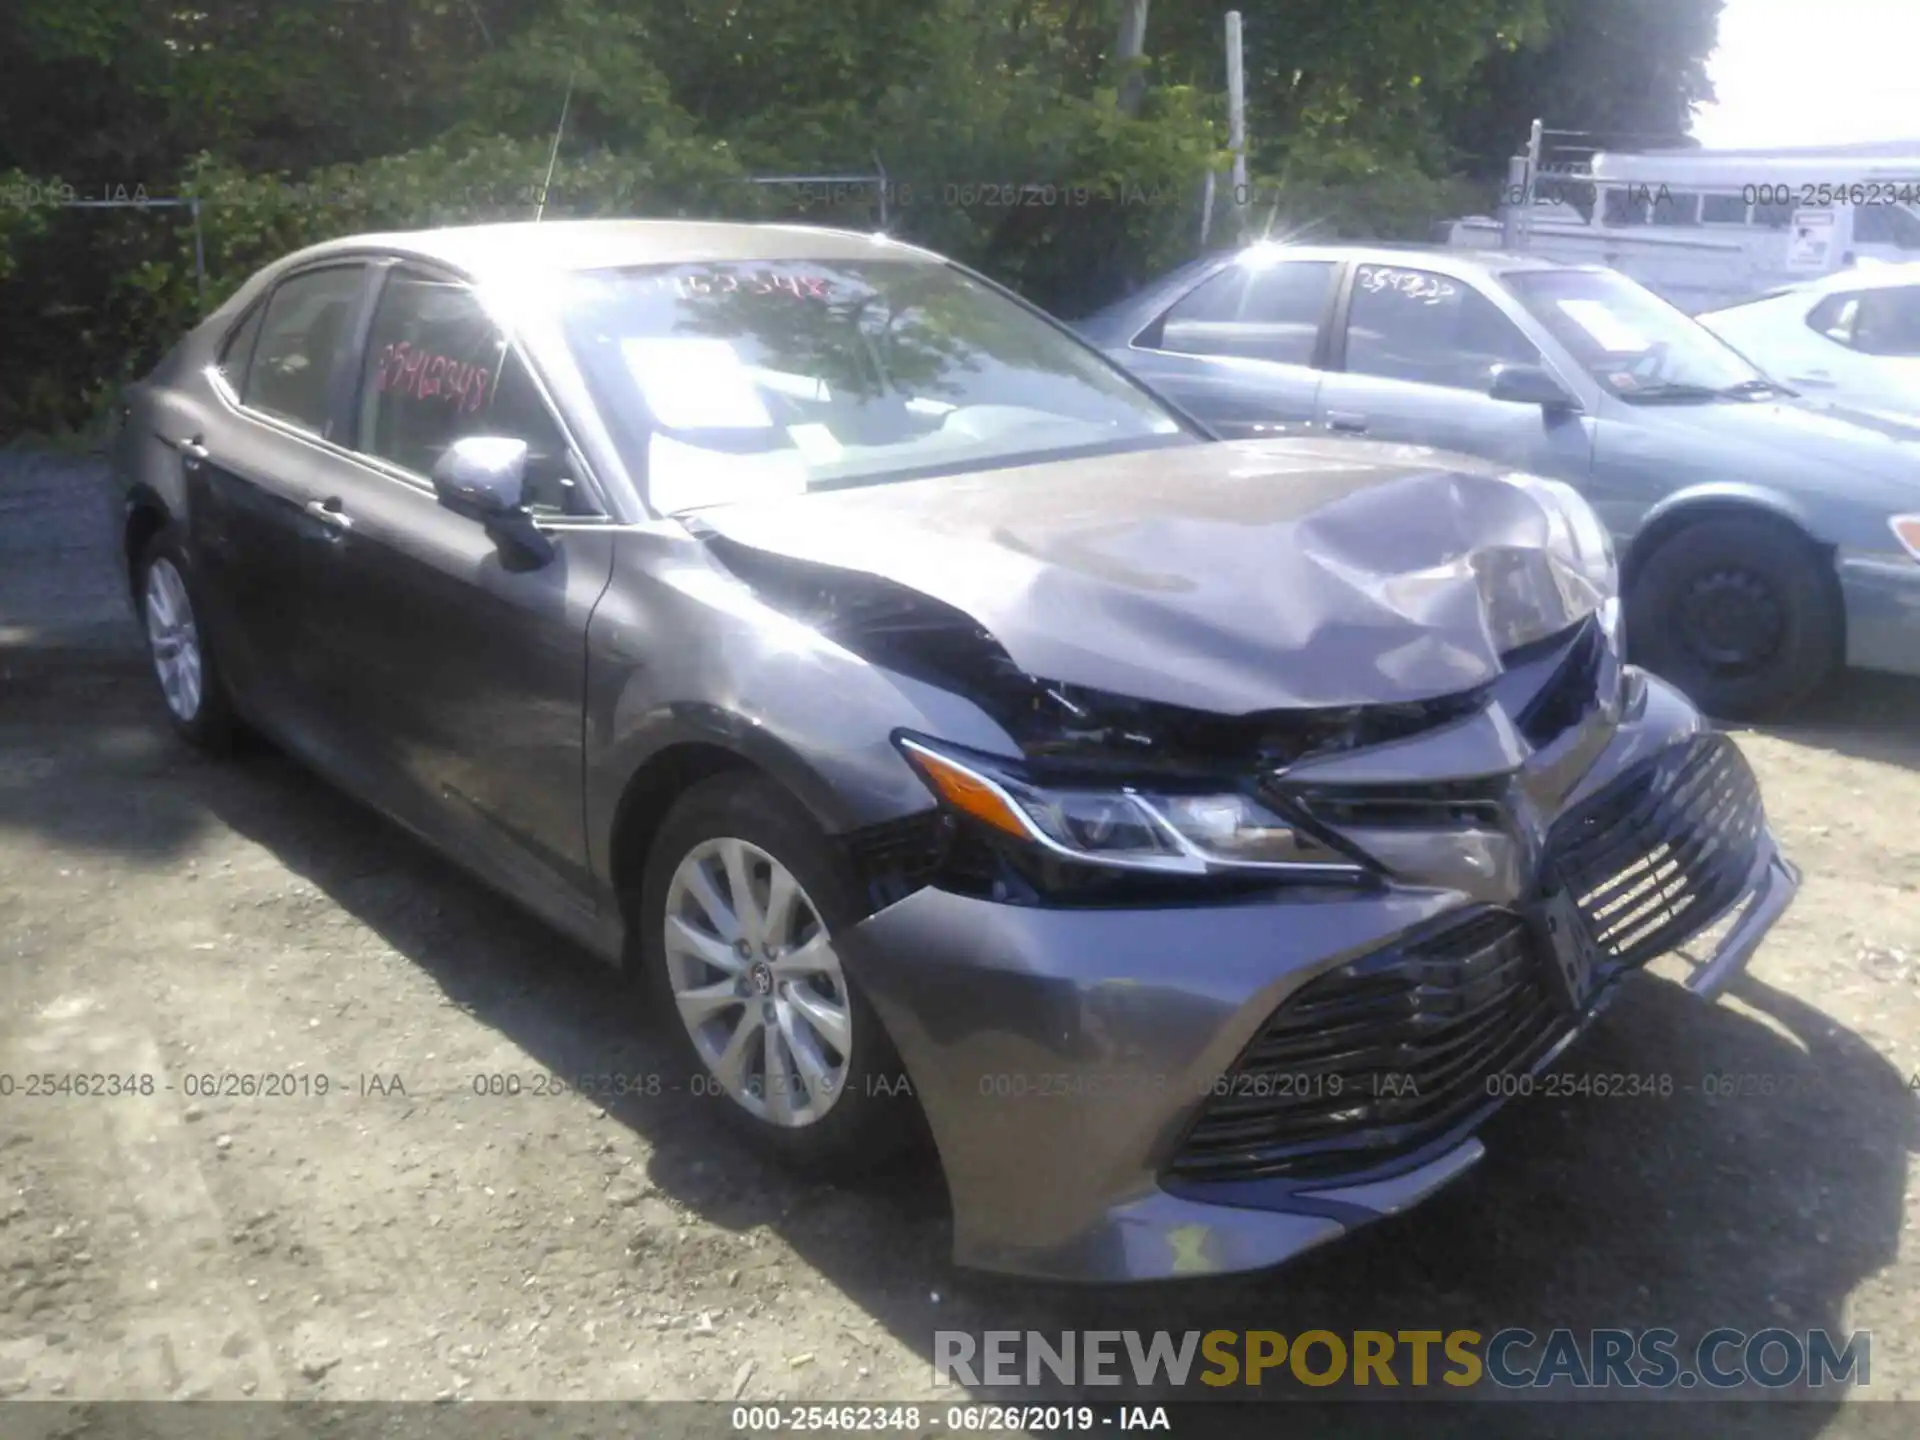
438, 370
304, 327
1261, 312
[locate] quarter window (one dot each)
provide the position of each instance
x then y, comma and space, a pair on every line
1418, 326
438, 369
301, 335
239, 349
1261, 312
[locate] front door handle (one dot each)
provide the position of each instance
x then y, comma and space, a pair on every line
192, 452
328, 512
1347, 422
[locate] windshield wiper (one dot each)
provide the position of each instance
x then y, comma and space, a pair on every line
1757, 387
1673, 390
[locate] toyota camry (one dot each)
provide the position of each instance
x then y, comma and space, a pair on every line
1195, 839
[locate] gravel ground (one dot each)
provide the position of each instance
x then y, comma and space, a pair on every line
405, 1237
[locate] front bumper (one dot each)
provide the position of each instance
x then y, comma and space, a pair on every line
1881, 592
1063, 1056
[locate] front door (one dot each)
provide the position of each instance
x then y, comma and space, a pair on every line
1414, 363
463, 665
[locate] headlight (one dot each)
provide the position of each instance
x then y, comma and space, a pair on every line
1906, 529
1575, 537
1125, 827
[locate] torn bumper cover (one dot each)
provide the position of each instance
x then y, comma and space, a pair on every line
1134, 1093
1293, 797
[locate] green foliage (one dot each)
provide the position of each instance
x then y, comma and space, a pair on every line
998, 122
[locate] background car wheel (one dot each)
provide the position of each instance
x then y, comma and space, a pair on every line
741, 900
190, 684
1740, 614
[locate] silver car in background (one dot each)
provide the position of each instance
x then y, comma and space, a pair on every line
1765, 539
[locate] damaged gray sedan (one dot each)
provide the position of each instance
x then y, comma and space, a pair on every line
1197, 840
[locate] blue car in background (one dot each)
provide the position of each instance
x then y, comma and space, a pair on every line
1765, 539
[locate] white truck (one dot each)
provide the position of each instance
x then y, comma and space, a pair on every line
1707, 227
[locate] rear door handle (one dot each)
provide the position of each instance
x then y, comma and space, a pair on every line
1347, 422
328, 512
192, 452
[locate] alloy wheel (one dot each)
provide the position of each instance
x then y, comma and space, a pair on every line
174, 639
757, 983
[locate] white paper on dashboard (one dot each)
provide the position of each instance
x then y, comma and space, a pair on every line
1613, 333
685, 477
695, 383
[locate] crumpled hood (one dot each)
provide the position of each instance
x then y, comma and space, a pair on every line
1230, 577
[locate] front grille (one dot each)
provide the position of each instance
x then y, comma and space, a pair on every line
1663, 851
1371, 1061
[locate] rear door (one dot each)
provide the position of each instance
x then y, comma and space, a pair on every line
1239, 349
1412, 361
462, 669
255, 481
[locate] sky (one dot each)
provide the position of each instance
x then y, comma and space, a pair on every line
1814, 72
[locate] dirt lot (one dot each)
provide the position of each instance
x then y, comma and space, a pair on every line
404, 1237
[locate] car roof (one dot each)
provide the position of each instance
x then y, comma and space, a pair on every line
506, 249
1445, 259
1867, 277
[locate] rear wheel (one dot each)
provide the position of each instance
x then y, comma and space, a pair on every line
742, 899
190, 683
1741, 614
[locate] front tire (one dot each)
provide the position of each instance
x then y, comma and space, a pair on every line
741, 900
1740, 614
191, 686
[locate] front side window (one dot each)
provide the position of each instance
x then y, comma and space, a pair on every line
729, 381
1261, 311
1630, 340
439, 369
1429, 329
304, 330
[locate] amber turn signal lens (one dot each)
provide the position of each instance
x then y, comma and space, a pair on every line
1906, 529
966, 792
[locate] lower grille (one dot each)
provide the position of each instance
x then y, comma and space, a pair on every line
1373, 1060
1663, 851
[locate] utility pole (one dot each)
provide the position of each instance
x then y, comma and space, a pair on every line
1237, 122
1128, 51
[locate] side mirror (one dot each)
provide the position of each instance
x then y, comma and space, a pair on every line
482, 475
485, 477
1530, 385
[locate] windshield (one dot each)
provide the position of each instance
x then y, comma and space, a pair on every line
726, 382
1630, 340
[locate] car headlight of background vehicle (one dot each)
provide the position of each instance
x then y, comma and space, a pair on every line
1123, 826
1575, 536
1534, 592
